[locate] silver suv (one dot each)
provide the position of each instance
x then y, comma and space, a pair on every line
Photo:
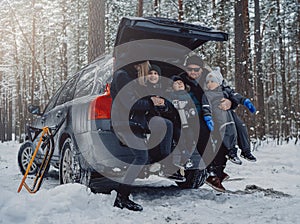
86, 149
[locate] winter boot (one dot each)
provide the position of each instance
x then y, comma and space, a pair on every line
215, 183
224, 177
171, 173
178, 177
248, 156
232, 156
124, 202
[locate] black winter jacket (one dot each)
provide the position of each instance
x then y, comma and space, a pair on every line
134, 105
129, 107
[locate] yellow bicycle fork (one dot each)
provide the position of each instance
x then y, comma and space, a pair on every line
45, 143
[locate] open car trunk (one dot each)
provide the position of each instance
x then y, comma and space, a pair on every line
188, 35
159, 39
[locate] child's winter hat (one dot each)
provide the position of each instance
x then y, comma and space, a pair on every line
176, 77
215, 76
155, 68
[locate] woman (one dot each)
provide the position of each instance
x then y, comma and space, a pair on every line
130, 115
135, 139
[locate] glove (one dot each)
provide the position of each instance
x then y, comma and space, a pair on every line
209, 122
250, 106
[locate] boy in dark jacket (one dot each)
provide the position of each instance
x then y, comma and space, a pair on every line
224, 119
185, 122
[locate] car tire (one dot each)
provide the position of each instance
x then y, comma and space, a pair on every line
194, 179
24, 156
70, 170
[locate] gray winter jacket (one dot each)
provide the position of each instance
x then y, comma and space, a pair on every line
223, 119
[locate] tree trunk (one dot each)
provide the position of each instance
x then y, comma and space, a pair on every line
156, 8
140, 8
2, 100
259, 74
242, 74
221, 46
78, 65
297, 100
180, 10
9, 114
64, 47
96, 45
33, 82
284, 109
18, 105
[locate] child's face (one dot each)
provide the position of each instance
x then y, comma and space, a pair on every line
211, 85
178, 85
153, 77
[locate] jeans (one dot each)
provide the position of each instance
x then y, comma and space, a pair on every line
161, 135
140, 157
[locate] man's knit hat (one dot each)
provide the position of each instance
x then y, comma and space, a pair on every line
194, 60
215, 76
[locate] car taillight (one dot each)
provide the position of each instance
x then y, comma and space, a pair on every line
101, 106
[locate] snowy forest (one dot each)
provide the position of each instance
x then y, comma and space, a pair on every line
44, 42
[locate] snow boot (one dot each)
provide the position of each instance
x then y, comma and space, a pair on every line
232, 156
124, 202
176, 177
224, 177
215, 183
248, 156
171, 173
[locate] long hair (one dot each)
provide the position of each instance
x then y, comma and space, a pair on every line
142, 69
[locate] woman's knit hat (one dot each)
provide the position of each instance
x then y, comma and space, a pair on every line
155, 68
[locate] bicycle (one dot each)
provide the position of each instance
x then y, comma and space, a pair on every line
45, 144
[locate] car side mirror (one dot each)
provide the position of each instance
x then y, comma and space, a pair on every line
36, 110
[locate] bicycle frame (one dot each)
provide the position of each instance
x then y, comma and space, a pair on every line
45, 142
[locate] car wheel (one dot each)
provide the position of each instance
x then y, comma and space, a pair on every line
70, 170
194, 179
24, 156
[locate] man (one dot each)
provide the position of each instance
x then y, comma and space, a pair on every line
195, 77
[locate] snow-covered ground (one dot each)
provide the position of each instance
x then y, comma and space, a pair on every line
267, 191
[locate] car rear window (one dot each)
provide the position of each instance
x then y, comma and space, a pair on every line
67, 91
85, 83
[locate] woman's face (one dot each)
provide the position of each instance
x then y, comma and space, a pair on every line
153, 77
178, 85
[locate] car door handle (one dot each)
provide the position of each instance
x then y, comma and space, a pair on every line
59, 113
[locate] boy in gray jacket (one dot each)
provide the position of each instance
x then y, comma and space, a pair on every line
224, 119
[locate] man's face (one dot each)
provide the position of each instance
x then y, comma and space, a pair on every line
194, 71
